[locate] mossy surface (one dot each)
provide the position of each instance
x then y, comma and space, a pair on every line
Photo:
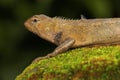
102, 63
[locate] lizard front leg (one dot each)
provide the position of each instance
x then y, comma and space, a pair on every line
61, 48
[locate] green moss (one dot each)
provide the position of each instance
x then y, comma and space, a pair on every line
101, 63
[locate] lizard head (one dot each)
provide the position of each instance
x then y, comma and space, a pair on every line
41, 25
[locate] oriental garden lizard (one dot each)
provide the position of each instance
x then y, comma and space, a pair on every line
67, 33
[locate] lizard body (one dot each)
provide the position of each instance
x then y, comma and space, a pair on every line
74, 33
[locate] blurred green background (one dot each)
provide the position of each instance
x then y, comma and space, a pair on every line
18, 46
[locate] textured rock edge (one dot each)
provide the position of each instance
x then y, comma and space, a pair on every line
101, 63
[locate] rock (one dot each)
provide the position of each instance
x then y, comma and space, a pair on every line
96, 63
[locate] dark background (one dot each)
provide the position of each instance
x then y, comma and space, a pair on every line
18, 46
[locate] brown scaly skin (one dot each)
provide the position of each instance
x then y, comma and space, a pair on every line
74, 33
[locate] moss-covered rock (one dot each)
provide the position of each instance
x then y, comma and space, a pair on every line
101, 63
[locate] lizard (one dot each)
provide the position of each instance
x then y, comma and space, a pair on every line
68, 33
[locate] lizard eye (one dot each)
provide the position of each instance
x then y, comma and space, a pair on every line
35, 20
